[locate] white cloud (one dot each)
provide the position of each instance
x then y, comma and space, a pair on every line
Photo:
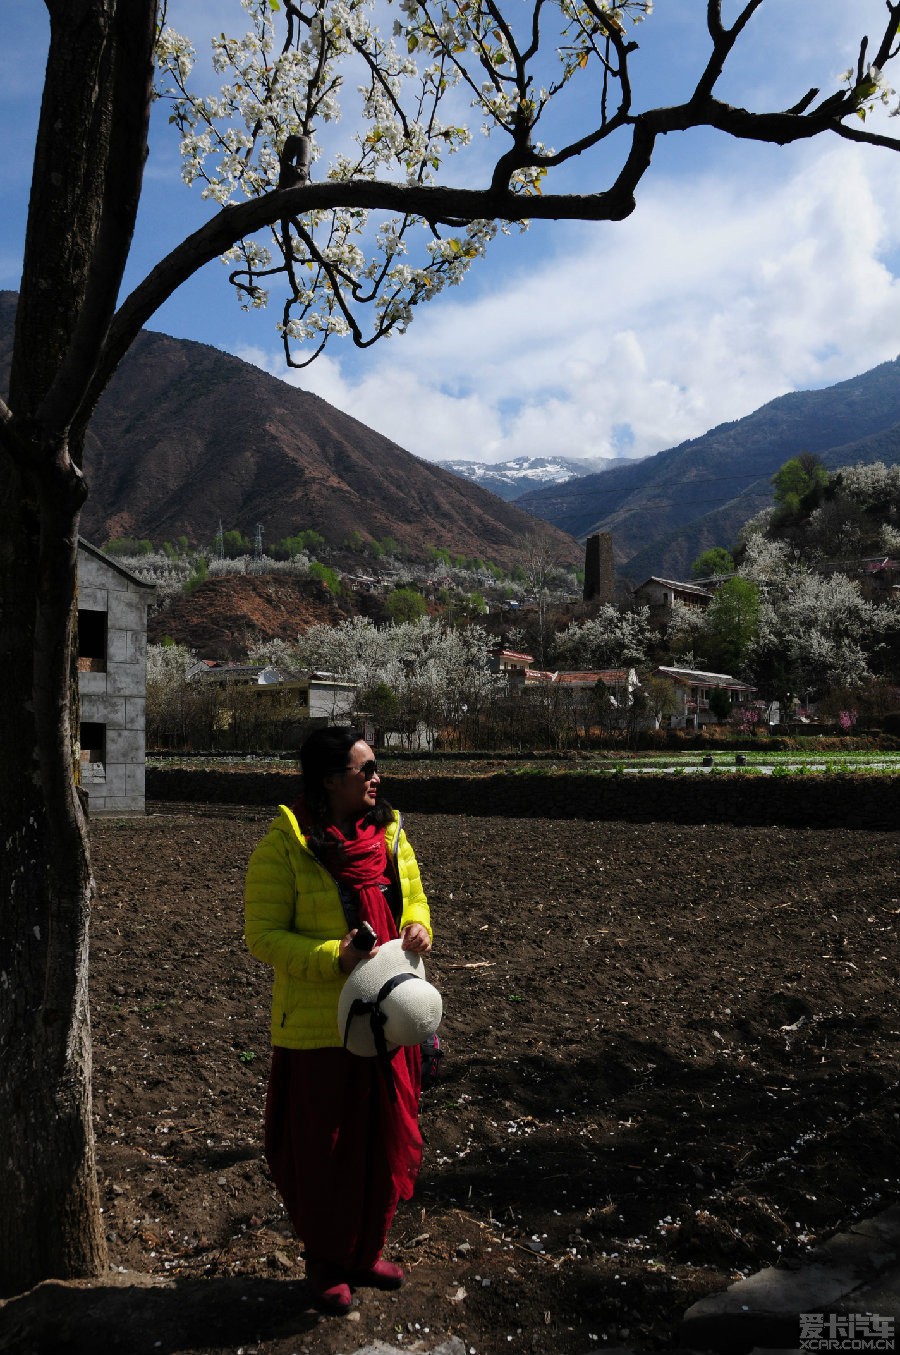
717, 295
395, 401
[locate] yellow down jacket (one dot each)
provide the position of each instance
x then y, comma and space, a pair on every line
294, 922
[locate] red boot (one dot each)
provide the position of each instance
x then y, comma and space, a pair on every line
381, 1275
329, 1287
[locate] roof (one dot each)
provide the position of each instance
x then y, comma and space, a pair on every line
331, 680
221, 672
267, 676
612, 677
513, 654
114, 565
692, 677
695, 588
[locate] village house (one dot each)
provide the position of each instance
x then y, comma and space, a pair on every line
621, 683
516, 667
692, 689
576, 691
660, 595
880, 579
366, 583
512, 665
305, 697
112, 682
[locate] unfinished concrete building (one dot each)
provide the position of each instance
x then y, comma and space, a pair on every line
112, 682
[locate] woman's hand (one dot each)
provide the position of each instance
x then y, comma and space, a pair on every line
415, 937
350, 955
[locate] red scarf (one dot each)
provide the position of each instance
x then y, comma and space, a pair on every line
360, 863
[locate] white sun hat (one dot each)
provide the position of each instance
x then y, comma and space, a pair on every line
387, 1001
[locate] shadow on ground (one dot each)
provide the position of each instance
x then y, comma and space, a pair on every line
140, 1315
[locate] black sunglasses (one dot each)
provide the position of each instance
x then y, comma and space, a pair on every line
368, 769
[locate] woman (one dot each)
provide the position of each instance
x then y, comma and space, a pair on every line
342, 1150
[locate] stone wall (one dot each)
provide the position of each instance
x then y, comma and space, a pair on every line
839, 801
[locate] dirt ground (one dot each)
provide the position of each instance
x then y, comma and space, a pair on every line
672, 1057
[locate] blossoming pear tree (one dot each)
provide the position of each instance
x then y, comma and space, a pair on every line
351, 225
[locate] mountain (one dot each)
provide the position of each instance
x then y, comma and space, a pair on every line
510, 479
663, 511
222, 616
186, 436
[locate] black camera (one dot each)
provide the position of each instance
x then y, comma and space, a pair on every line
365, 937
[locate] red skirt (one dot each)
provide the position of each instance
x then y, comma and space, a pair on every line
341, 1150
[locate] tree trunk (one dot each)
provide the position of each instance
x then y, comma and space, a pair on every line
89, 158
49, 1209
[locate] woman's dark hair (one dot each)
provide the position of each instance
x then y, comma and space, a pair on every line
325, 753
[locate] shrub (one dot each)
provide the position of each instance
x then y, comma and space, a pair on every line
327, 577
405, 604
128, 545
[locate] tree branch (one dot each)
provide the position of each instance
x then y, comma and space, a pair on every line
454, 206
782, 129
723, 41
802, 104
889, 38
444, 206
861, 136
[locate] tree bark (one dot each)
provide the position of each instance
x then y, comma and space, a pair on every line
49, 1209
89, 157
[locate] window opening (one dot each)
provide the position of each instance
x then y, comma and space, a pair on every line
91, 641
92, 739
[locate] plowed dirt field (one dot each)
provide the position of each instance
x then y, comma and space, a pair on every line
672, 1057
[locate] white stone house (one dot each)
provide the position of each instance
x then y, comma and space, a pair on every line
692, 689
511, 664
112, 682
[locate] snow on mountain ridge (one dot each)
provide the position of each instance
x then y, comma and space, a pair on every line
518, 474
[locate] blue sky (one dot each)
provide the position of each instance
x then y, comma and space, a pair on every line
744, 273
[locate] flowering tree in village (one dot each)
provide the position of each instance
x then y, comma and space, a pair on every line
782, 624
370, 221
609, 639
437, 675
816, 632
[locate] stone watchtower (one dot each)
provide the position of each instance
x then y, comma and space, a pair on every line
599, 570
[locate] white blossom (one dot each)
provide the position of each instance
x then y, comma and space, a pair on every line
610, 639
407, 89
820, 627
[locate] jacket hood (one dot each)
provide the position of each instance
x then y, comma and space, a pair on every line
287, 822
